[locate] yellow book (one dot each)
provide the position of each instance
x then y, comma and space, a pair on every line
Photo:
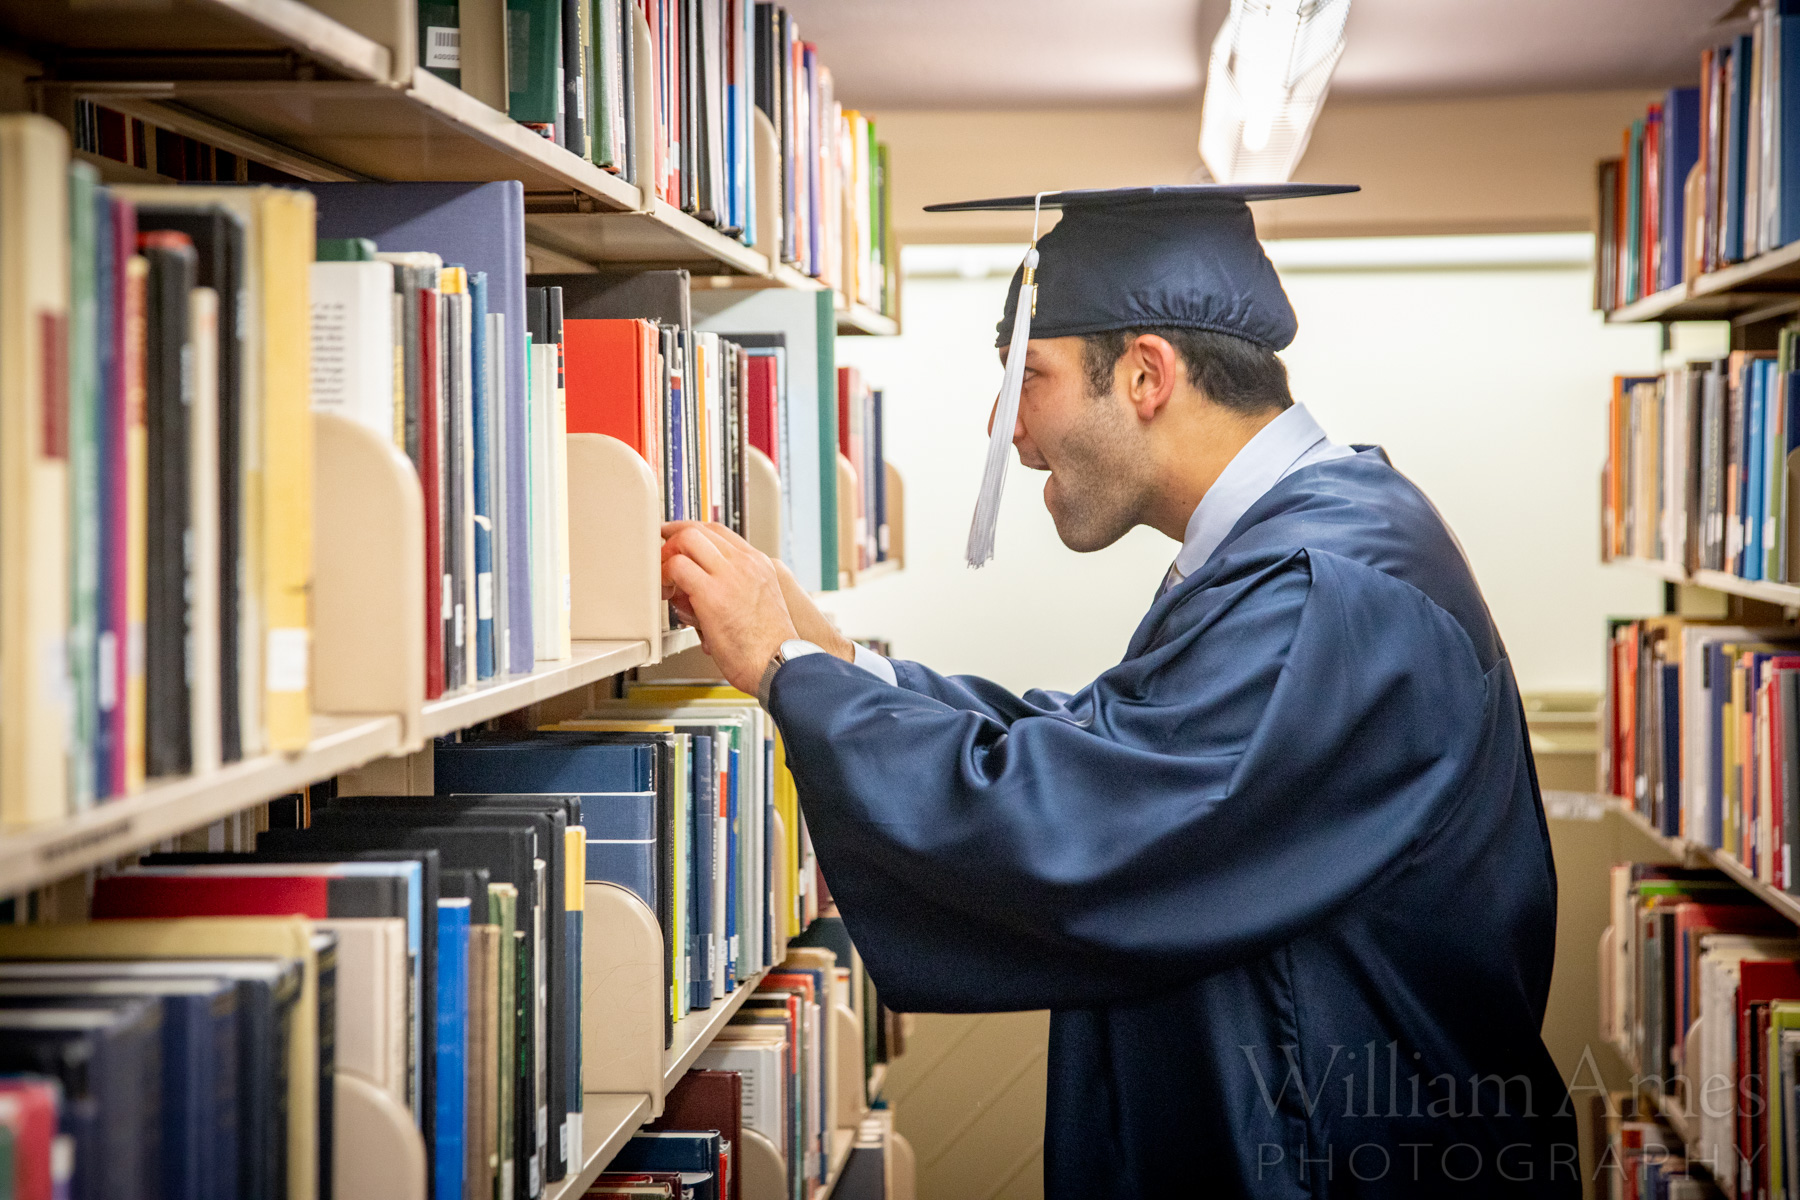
34, 469
276, 456
575, 901
213, 937
787, 793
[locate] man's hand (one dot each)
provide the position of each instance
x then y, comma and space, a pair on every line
731, 592
813, 625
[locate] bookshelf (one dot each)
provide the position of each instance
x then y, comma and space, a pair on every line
331, 91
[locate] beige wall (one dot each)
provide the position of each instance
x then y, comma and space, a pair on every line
1506, 164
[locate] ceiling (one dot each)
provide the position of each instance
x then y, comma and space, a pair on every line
950, 54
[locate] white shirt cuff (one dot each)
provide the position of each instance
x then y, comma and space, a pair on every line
876, 665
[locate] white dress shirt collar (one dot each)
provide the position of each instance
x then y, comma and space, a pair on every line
1289, 442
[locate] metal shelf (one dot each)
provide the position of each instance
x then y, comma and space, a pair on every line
695, 1032
34, 857
608, 1120
222, 35
590, 663
1785, 594
859, 318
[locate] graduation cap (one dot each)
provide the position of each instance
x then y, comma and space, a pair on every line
1178, 256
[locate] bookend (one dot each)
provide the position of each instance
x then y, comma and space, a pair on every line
846, 524
766, 150
896, 516
764, 1170
762, 504
622, 996
615, 555
852, 1086
368, 602
376, 1149
643, 98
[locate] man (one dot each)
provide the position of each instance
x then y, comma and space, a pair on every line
1282, 874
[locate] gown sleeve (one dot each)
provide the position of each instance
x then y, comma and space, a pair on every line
1289, 736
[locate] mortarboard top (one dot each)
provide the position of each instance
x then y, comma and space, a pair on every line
1183, 256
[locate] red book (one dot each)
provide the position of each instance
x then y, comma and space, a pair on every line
431, 477
611, 383
709, 1100
212, 896
762, 405
849, 387
28, 1107
1759, 983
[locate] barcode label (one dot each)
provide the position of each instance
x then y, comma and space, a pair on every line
443, 47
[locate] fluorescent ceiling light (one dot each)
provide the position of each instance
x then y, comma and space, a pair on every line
1271, 65
1436, 252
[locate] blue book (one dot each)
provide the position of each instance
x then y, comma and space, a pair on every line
109, 1062
1737, 146
704, 805
1786, 51
613, 781
482, 226
733, 876
1670, 800
677, 451
481, 415
452, 1045
1680, 150
695, 1155
198, 1123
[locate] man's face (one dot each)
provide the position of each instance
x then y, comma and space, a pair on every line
1093, 446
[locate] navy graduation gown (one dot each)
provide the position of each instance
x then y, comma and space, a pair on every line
1282, 874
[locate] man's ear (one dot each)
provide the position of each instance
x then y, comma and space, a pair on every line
1152, 370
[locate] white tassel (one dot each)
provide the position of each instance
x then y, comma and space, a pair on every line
1006, 417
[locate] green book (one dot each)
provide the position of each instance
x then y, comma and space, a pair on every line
534, 64
344, 250
503, 907
602, 21
84, 487
828, 441
440, 41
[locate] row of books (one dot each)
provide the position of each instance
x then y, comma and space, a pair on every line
164, 525
1643, 1157
454, 981
766, 1073
155, 462
572, 69
1698, 462
860, 441
1709, 175
1701, 732
1700, 990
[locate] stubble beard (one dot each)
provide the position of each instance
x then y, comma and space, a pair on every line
1098, 480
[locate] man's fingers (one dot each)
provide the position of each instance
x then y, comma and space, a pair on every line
685, 575
696, 545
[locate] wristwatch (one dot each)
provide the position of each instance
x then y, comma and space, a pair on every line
788, 651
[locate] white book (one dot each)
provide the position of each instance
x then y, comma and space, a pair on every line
541, 487
502, 515
204, 723
353, 342
373, 1030
761, 1068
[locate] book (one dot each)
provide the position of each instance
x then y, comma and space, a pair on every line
107, 1061
535, 65
480, 226
712, 1100
694, 1154
353, 342
218, 236
204, 937
280, 234
196, 1084
452, 1047
34, 594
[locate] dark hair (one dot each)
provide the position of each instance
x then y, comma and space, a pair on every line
1230, 371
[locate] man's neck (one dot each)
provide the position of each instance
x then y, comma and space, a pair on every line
1195, 453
